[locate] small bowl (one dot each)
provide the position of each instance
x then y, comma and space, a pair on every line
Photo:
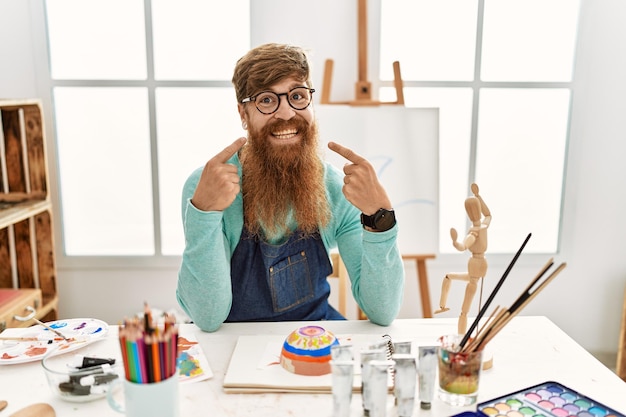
71, 381
307, 351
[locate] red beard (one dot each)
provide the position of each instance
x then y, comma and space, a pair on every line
283, 179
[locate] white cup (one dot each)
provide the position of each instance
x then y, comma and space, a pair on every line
148, 400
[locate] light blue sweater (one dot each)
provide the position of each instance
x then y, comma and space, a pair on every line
372, 259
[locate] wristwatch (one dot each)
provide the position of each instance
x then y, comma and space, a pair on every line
380, 221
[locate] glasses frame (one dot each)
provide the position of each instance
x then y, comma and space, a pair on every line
253, 99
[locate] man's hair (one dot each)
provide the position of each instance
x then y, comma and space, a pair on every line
268, 64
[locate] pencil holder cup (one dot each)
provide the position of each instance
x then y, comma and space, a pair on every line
70, 380
148, 399
459, 372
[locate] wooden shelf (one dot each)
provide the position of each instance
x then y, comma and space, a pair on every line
26, 233
14, 213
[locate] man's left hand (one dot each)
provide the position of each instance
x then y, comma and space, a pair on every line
361, 186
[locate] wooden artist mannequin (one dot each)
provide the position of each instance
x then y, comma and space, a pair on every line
476, 243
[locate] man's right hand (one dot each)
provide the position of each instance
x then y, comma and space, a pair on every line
219, 182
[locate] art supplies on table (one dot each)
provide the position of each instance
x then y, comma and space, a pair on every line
153, 350
82, 377
494, 292
193, 365
405, 383
149, 349
255, 366
342, 371
427, 371
548, 399
20, 345
475, 339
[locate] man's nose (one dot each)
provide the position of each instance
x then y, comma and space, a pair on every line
284, 111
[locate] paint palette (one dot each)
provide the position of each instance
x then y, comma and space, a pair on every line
549, 399
20, 345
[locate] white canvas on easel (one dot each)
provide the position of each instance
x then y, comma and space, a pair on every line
403, 145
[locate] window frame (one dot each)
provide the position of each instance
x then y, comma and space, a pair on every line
476, 85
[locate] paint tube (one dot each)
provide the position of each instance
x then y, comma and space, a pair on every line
342, 377
378, 386
427, 368
368, 355
403, 346
342, 352
404, 383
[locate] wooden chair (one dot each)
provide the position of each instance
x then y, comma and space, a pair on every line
339, 271
620, 369
422, 280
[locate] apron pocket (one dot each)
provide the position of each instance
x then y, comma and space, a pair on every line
290, 282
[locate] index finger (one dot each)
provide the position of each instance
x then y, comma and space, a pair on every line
347, 153
230, 150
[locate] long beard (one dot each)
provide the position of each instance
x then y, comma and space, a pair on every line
283, 180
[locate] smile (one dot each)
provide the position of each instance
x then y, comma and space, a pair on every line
285, 134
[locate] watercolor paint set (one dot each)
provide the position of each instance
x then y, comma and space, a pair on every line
548, 399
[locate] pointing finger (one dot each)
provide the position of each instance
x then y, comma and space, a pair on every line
230, 150
347, 153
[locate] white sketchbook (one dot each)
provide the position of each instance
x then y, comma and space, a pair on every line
255, 367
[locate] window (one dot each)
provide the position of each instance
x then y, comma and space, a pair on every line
137, 84
136, 87
501, 73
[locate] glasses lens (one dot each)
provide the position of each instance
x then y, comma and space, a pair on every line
299, 98
267, 102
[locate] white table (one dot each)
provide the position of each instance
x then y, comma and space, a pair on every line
530, 350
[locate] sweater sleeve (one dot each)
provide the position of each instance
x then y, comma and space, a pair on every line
204, 285
379, 288
373, 260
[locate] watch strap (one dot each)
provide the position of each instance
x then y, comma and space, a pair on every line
373, 221
368, 220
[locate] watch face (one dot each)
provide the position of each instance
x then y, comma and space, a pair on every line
384, 220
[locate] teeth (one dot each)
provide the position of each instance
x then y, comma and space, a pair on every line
285, 133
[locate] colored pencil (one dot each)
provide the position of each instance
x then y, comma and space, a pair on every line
122, 338
156, 359
132, 361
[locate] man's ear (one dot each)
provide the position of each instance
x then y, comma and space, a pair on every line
242, 112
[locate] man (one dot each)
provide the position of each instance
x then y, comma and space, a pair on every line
262, 215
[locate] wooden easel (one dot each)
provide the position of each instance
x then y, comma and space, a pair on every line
363, 88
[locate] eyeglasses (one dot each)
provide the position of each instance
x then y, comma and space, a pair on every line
268, 102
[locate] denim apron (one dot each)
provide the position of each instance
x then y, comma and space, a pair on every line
285, 282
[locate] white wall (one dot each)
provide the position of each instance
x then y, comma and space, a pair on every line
585, 300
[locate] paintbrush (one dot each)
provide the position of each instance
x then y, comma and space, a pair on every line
493, 319
504, 314
58, 333
31, 339
482, 311
526, 297
527, 291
